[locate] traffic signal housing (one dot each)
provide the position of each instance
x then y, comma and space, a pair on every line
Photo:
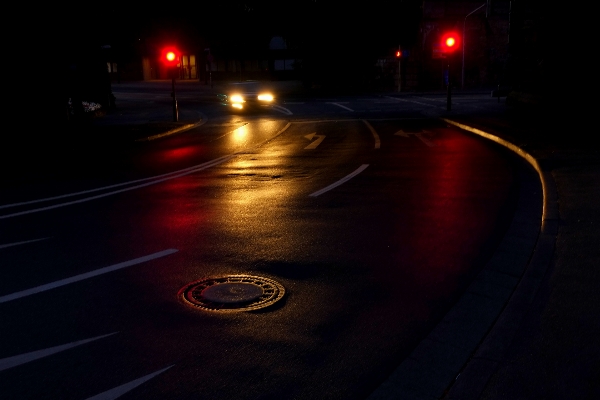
450, 42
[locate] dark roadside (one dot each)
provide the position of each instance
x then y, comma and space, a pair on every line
551, 344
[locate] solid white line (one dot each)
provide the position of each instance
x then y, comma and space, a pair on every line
3, 246
344, 107
338, 183
154, 182
107, 187
375, 135
87, 275
10, 362
121, 390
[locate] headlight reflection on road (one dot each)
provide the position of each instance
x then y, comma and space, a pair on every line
241, 134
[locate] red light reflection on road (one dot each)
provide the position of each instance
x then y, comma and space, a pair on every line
180, 152
463, 203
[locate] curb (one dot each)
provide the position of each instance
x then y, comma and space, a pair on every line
173, 131
460, 355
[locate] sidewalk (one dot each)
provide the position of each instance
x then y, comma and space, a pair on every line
555, 352
545, 342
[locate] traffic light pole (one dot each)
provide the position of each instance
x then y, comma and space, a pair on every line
449, 96
175, 109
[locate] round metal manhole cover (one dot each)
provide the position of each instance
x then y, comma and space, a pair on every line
233, 293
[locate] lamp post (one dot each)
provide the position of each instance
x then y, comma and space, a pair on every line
462, 82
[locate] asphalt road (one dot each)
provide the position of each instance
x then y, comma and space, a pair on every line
373, 218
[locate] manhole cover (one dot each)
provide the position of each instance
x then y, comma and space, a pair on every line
233, 293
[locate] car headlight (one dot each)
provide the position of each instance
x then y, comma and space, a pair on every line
237, 98
265, 97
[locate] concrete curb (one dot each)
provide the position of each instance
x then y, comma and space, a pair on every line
462, 352
173, 131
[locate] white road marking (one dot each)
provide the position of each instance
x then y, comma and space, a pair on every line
418, 135
403, 134
87, 275
314, 144
187, 171
3, 246
342, 106
153, 180
193, 168
412, 101
425, 140
121, 390
282, 110
341, 181
374, 133
11, 362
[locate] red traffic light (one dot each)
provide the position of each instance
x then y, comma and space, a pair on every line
398, 54
170, 56
450, 42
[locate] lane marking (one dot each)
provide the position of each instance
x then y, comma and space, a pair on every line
419, 135
341, 181
374, 133
153, 180
314, 144
282, 109
403, 134
3, 246
87, 275
342, 106
24, 203
121, 390
14, 361
416, 102
425, 140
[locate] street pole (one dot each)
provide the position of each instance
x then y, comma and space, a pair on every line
175, 109
464, 39
449, 94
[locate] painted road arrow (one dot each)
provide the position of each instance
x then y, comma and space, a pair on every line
417, 134
317, 142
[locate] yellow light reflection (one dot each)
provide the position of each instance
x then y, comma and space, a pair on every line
240, 133
237, 105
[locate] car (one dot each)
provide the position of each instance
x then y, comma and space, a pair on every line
246, 96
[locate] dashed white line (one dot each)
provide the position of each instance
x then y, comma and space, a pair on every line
121, 390
87, 275
15, 361
3, 246
341, 181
